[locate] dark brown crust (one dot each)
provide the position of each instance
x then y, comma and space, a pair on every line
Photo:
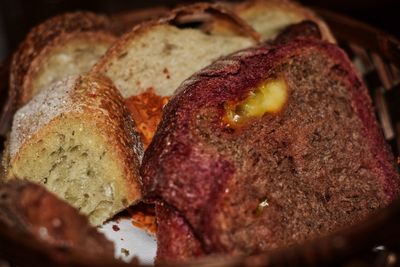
170, 169
174, 17
175, 240
30, 209
304, 29
43, 37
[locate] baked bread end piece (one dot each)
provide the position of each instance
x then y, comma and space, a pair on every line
68, 44
78, 140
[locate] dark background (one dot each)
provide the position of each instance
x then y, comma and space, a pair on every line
17, 16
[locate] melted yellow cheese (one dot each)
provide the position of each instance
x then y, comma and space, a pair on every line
269, 97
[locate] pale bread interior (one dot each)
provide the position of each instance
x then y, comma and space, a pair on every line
71, 158
269, 22
163, 56
75, 56
270, 17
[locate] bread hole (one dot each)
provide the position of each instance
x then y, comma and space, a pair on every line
57, 152
90, 173
75, 148
61, 137
315, 137
84, 155
123, 55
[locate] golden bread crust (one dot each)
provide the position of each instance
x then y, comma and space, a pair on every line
94, 101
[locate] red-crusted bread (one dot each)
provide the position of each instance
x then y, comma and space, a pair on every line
266, 148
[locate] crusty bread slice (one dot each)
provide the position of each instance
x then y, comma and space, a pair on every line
160, 55
269, 17
156, 56
285, 149
78, 139
63, 45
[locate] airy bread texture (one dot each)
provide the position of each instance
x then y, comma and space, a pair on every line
270, 17
78, 139
63, 45
160, 55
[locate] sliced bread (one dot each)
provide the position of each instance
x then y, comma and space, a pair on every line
77, 138
266, 148
156, 56
63, 45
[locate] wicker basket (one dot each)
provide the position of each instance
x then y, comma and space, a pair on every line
374, 242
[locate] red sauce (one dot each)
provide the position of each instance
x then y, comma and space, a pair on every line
146, 110
144, 217
115, 228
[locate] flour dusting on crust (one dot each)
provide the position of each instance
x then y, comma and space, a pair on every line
48, 105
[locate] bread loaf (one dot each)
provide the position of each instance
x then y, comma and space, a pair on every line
78, 140
63, 45
269, 147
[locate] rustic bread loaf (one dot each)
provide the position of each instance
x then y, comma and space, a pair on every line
269, 17
156, 56
77, 138
63, 45
29, 209
268, 147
